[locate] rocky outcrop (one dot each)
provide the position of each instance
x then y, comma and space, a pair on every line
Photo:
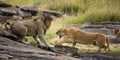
7, 12
98, 56
3, 4
54, 13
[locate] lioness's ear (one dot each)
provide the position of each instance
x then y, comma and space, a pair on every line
116, 31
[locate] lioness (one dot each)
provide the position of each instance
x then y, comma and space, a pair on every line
75, 35
36, 28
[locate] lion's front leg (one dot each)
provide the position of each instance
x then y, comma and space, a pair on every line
44, 41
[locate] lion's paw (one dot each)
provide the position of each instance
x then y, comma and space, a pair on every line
51, 46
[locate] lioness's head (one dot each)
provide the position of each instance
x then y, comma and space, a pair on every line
62, 32
117, 32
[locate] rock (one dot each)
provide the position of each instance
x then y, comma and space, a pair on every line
7, 12
70, 51
28, 9
54, 13
10, 11
99, 56
3, 4
65, 50
5, 57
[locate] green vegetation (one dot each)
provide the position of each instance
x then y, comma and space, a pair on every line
116, 50
78, 11
19, 2
82, 10
104, 14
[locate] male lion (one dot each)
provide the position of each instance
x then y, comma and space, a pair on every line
36, 28
76, 35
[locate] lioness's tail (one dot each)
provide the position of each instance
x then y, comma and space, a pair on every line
7, 25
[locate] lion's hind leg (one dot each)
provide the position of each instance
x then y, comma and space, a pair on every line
20, 32
22, 39
106, 49
100, 49
100, 45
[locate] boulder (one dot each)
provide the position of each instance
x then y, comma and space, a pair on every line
54, 13
29, 9
3, 4
10, 11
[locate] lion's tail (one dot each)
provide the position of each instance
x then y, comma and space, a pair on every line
7, 25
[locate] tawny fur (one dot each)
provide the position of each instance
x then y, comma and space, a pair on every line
117, 32
36, 28
76, 35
